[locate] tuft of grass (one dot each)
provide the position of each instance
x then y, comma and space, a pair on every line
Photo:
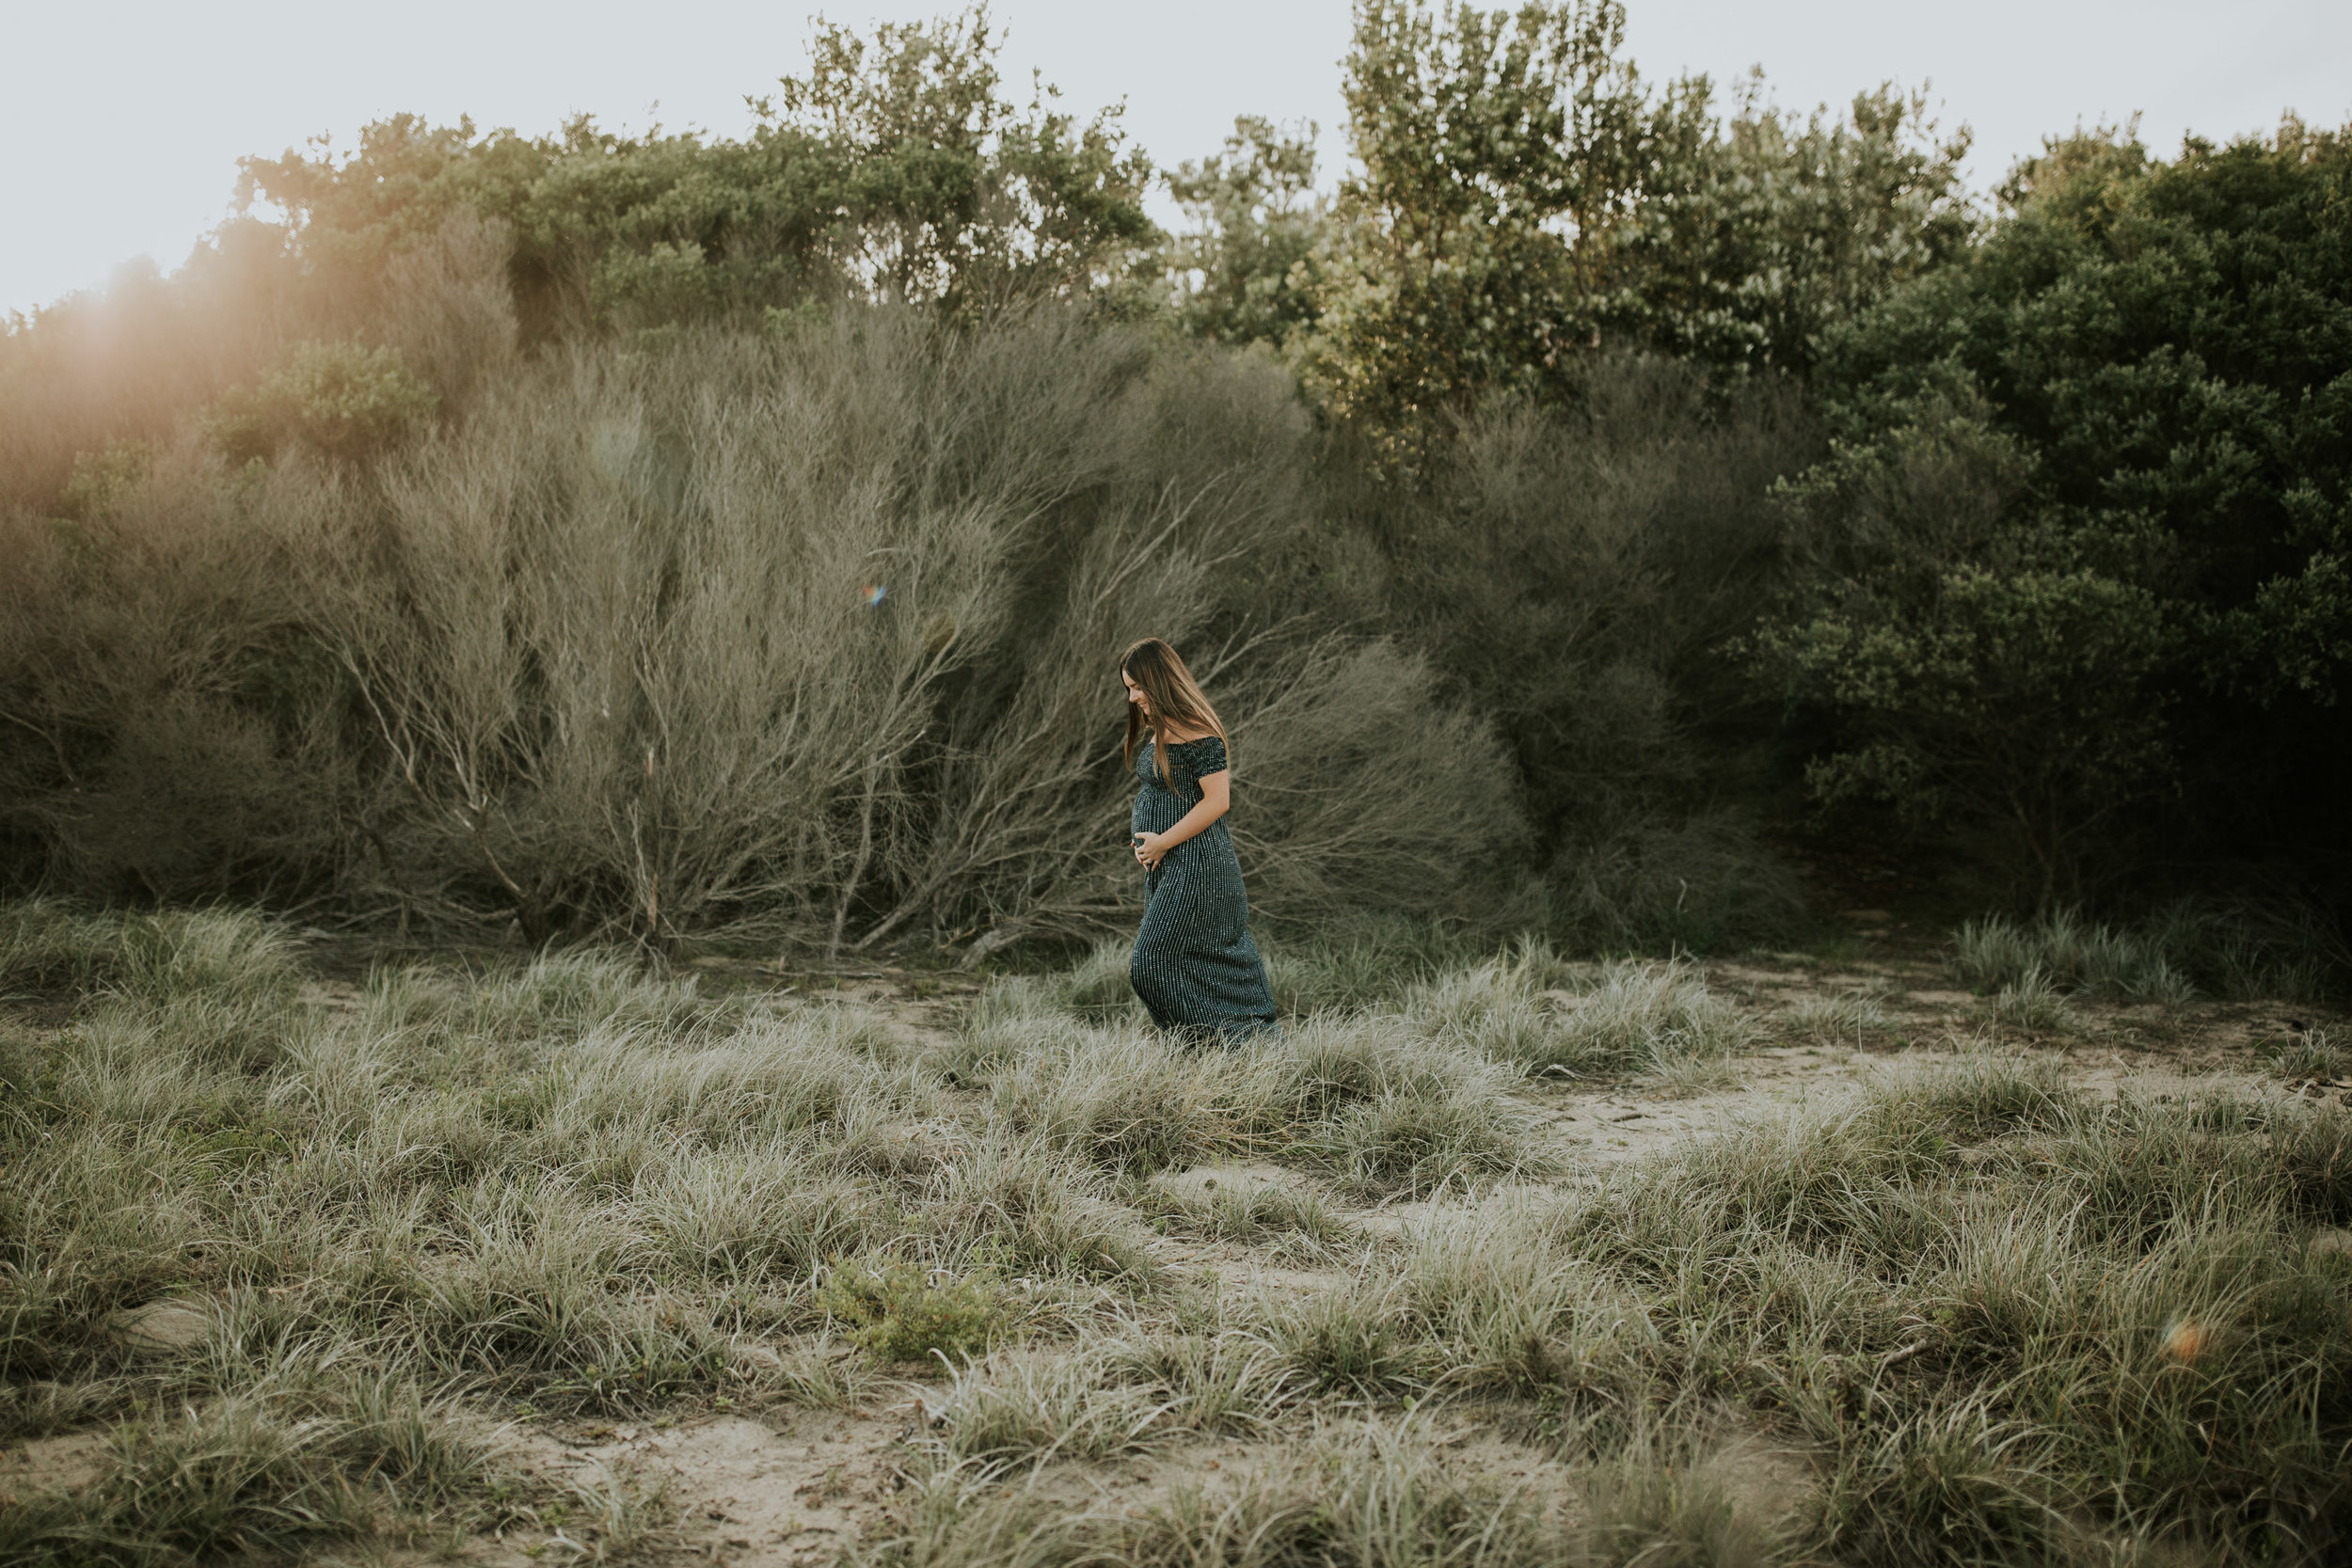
1369, 966
268, 1471
1955, 1483
1030, 1409
1098, 986
1641, 1017
2242, 953
1253, 1212
1345, 1341
606, 1516
1499, 1304
1012, 1205
1834, 1020
902, 1313
2032, 1002
227, 955
2311, 1054
1229, 1380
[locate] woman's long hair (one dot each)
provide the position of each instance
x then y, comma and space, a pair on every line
1176, 699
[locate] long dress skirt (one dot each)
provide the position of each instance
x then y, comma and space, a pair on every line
1194, 964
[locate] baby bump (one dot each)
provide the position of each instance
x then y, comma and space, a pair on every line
1156, 812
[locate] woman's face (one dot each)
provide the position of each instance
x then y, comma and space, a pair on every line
1134, 694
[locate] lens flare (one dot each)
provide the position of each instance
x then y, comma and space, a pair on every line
2188, 1340
872, 593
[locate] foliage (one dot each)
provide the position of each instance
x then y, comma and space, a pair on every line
1572, 570
1984, 667
606, 655
894, 170
2111, 445
1482, 137
339, 400
2070, 583
898, 1313
1523, 196
1246, 271
1757, 233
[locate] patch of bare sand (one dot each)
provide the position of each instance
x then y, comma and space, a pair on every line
787, 1486
61, 1464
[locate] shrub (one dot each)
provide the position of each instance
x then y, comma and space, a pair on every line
602, 654
339, 400
900, 1313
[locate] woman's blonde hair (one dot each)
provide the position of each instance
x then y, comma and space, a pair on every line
1175, 696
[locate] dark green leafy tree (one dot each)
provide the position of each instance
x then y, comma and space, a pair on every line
2167, 349
1992, 666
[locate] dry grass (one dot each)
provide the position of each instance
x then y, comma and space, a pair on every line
1965, 1314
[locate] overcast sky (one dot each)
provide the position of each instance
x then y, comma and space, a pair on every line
123, 121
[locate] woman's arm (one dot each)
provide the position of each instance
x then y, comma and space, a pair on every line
1216, 797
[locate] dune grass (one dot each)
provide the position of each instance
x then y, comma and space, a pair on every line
1964, 1315
2244, 954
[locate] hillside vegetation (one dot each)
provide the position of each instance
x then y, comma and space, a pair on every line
1608, 495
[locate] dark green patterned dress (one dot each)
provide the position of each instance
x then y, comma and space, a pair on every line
1194, 964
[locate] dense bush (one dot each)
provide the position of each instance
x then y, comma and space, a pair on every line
809, 631
1573, 570
2077, 566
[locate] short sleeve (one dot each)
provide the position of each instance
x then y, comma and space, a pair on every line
1205, 756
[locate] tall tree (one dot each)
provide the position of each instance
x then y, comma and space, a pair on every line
1247, 269
1499, 154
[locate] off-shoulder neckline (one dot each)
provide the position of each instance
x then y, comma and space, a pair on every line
1197, 739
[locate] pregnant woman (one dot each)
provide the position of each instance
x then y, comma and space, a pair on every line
1194, 964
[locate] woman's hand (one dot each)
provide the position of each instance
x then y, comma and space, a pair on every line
1151, 849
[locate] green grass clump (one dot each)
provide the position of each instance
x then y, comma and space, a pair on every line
2241, 952
1240, 1210
274, 1470
223, 956
900, 1312
1643, 1016
2312, 1054
1027, 1409
2033, 1002
1834, 1020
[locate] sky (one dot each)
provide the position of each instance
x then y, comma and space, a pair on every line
124, 120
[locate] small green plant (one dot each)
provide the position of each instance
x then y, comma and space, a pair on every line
903, 1313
